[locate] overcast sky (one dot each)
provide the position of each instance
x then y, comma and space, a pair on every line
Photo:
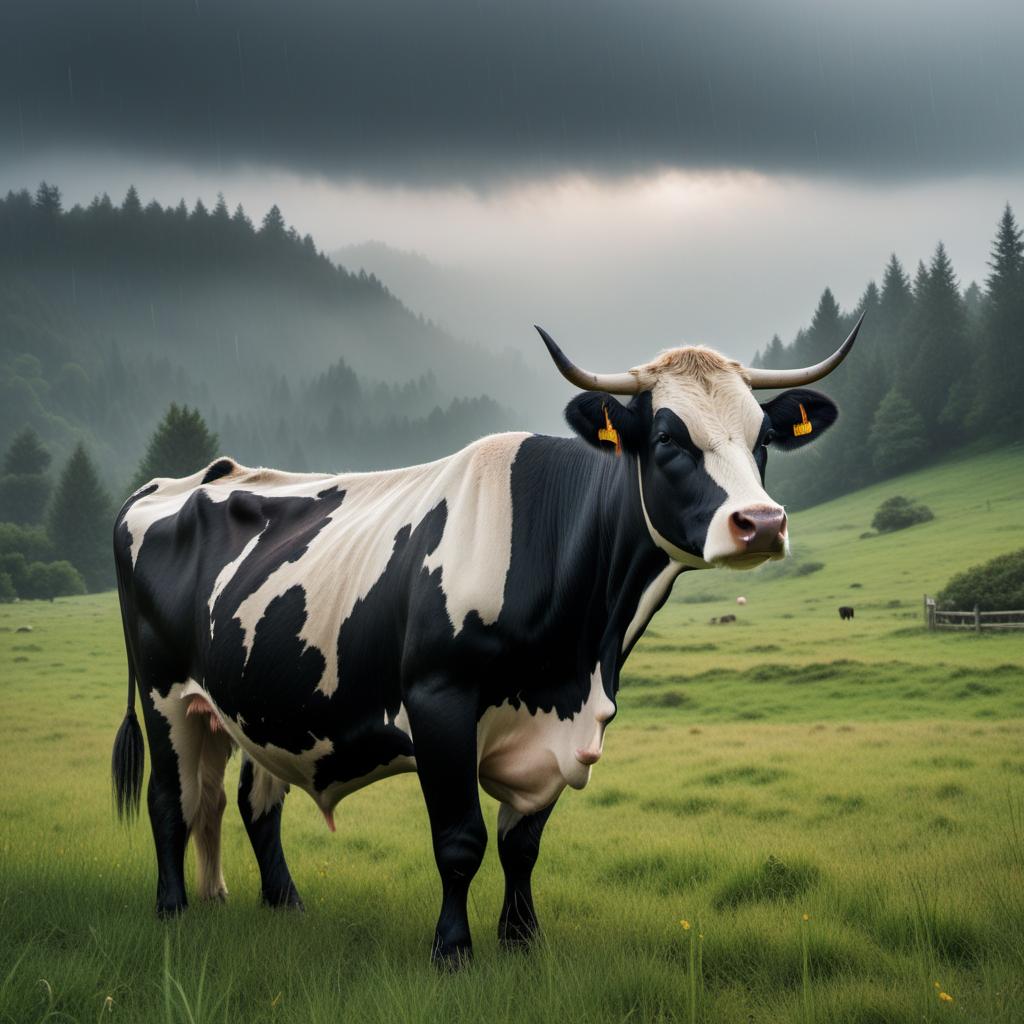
631, 174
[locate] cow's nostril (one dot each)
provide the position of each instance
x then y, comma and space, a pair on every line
758, 528
743, 528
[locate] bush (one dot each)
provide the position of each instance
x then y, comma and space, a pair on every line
806, 568
996, 586
15, 568
32, 542
47, 580
897, 513
7, 591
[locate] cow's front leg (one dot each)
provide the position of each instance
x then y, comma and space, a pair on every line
518, 848
442, 718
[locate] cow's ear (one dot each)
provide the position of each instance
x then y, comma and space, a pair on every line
798, 417
603, 421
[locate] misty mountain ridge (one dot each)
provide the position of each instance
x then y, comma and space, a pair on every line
108, 313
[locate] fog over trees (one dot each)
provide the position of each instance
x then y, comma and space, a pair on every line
113, 316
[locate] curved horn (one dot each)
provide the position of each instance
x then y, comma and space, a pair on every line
807, 375
613, 383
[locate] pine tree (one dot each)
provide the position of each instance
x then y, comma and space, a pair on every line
24, 486
132, 205
774, 357
937, 334
48, 199
1001, 360
273, 228
823, 336
897, 438
180, 445
26, 454
897, 299
80, 521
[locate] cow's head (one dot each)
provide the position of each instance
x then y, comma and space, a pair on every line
701, 442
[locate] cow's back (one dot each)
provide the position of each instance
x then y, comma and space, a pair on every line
295, 600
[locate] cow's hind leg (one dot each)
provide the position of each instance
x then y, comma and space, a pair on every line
260, 802
443, 722
214, 749
166, 798
518, 848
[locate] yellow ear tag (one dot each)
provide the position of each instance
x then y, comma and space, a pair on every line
804, 426
609, 433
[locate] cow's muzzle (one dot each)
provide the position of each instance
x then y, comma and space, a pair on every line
759, 529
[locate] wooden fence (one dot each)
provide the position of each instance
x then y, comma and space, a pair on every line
936, 618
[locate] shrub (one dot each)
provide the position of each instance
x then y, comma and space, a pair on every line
897, 513
47, 580
7, 591
996, 586
14, 566
31, 542
806, 568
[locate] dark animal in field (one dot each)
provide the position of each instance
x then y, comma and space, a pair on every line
466, 619
845, 612
723, 620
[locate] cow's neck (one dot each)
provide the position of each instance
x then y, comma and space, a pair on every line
629, 577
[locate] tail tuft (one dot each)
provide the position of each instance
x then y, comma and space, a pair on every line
126, 767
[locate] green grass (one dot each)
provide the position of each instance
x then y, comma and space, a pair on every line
867, 774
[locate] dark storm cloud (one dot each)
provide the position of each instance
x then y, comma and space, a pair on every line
484, 91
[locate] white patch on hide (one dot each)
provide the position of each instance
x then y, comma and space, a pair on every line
352, 549
525, 760
653, 595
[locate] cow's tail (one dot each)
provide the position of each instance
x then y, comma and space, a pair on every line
128, 757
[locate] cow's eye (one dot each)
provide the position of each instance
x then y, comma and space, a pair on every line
663, 438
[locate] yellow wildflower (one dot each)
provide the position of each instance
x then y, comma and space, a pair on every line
807, 917
685, 924
938, 985
946, 997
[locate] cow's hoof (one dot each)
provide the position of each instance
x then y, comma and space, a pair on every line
516, 937
515, 945
451, 957
287, 899
169, 911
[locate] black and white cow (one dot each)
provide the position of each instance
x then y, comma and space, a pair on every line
466, 619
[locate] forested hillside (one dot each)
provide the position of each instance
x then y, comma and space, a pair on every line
935, 368
109, 313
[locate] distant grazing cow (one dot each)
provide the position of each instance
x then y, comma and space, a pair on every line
741, 600
846, 612
723, 619
467, 620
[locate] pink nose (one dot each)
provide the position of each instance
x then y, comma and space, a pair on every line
759, 528
588, 757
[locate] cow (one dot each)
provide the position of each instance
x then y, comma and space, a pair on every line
467, 619
845, 612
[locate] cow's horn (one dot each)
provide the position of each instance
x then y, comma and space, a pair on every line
613, 383
807, 375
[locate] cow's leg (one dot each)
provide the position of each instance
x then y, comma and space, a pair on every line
164, 798
260, 802
214, 751
518, 848
443, 723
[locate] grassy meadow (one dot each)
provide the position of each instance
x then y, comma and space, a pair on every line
836, 809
